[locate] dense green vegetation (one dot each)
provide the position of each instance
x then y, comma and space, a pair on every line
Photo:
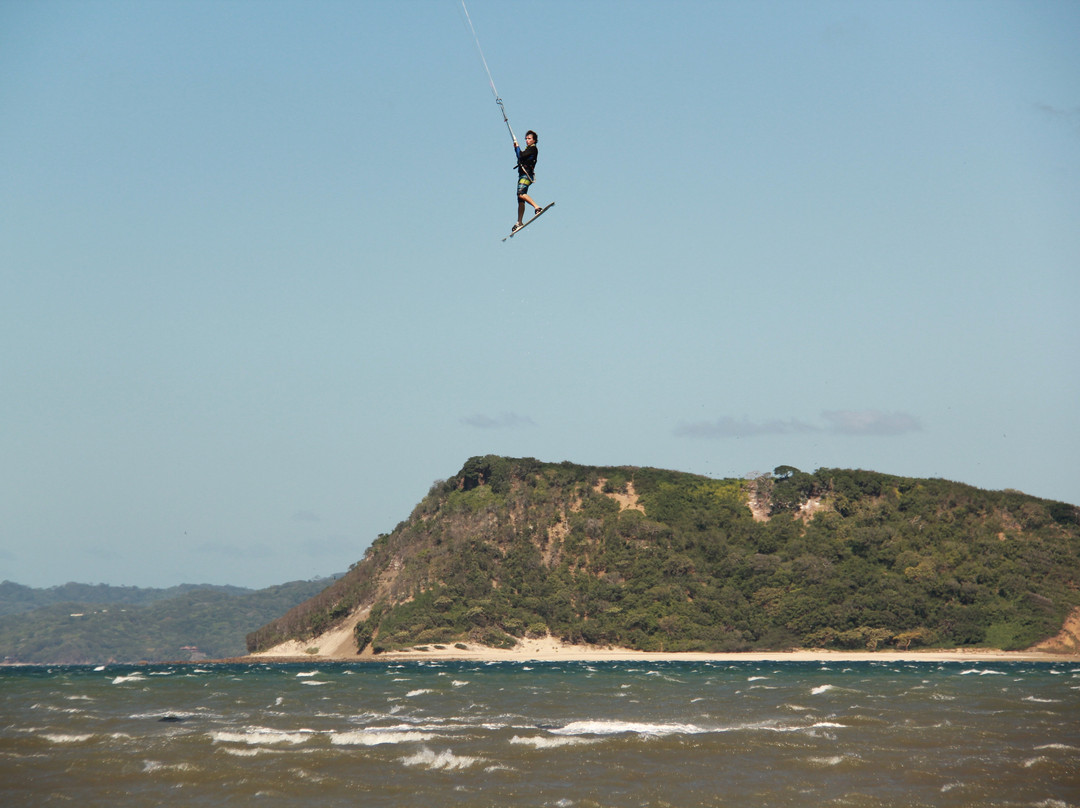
846, 559
16, 598
132, 624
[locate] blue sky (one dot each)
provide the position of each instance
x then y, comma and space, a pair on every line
253, 298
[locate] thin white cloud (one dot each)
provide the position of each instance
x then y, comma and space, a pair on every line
1070, 117
837, 422
870, 422
728, 427
506, 420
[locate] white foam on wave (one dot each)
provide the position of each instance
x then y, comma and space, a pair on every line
831, 760
1037, 700
459, 683
817, 691
445, 760
369, 737
623, 727
315, 684
260, 736
981, 672
304, 674
772, 727
163, 714
150, 766
1062, 746
60, 737
420, 692
132, 677
547, 742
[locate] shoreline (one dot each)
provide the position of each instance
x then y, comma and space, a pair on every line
552, 650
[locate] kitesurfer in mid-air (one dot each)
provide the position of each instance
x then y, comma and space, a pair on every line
526, 168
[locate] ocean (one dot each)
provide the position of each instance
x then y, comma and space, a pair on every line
567, 734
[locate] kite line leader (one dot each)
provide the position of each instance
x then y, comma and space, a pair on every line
487, 70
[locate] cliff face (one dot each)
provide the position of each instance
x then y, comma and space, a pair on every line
660, 560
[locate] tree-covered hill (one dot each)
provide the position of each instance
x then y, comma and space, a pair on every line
16, 598
101, 623
661, 560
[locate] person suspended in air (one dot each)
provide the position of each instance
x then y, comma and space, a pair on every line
526, 168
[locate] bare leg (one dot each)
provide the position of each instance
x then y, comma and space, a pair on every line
522, 199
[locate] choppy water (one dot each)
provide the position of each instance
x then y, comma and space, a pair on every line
543, 734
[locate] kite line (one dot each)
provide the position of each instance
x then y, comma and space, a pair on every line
487, 70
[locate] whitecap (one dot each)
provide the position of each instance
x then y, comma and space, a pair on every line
303, 674
982, 672
1042, 701
241, 752
159, 714
832, 760
620, 727
1035, 761
258, 736
817, 691
419, 692
445, 760
133, 677
373, 737
459, 683
315, 684
150, 766
547, 742
58, 737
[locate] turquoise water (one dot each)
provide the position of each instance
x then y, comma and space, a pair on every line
543, 734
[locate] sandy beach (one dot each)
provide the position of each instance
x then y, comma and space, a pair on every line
550, 649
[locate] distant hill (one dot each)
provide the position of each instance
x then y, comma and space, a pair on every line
16, 598
82, 624
661, 560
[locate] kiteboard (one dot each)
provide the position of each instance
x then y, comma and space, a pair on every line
533, 219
